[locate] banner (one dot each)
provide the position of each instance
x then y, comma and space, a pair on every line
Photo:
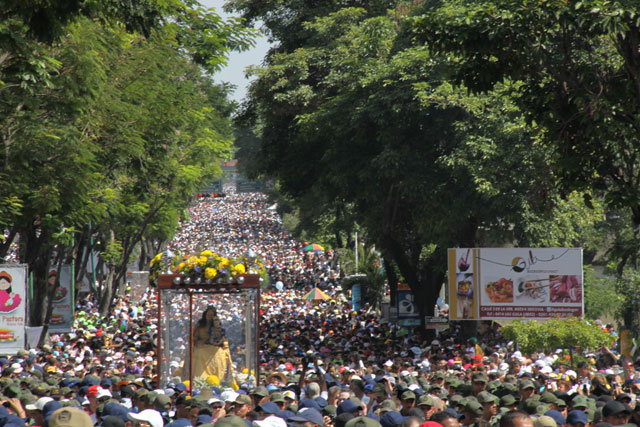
62, 314
13, 303
407, 309
510, 283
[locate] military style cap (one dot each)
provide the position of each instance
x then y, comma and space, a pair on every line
507, 400
486, 397
479, 377
425, 400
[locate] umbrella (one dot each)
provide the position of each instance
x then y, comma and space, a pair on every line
316, 294
313, 247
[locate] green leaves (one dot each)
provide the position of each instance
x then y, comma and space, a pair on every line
571, 333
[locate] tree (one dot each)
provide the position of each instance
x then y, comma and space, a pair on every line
570, 333
577, 70
360, 117
369, 273
109, 119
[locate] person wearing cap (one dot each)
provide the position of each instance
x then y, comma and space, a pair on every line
408, 402
34, 410
472, 411
242, 405
577, 418
217, 408
479, 382
259, 395
489, 404
426, 404
362, 422
308, 417
70, 417
268, 416
616, 413
183, 410
377, 395
526, 390
349, 406
146, 418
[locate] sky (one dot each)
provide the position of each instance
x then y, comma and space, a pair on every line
234, 71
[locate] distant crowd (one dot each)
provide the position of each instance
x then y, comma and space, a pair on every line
321, 364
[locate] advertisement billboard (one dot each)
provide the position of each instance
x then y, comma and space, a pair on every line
62, 310
13, 303
407, 309
511, 283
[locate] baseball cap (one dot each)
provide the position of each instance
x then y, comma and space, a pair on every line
308, 414
408, 395
243, 399
479, 377
230, 421
391, 419
613, 408
544, 421
525, 384
425, 400
39, 404
71, 417
347, 406
577, 416
362, 422
150, 416
557, 416
268, 407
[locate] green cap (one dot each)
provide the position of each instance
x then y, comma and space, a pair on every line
530, 406
525, 384
387, 405
362, 422
230, 421
473, 407
486, 397
548, 397
259, 391
479, 377
425, 400
507, 400
580, 402
455, 399
277, 397
408, 395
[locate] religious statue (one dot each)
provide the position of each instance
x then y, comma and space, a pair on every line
211, 354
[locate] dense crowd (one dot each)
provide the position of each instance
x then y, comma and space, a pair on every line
321, 364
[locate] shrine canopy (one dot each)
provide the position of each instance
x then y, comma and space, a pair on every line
316, 295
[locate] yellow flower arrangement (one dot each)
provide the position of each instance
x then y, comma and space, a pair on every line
209, 266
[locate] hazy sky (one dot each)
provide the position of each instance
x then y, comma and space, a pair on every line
234, 72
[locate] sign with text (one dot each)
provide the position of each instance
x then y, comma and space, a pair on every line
510, 283
62, 311
13, 303
407, 308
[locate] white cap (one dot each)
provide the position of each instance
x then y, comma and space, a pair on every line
105, 392
388, 363
229, 396
546, 370
39, 404
17, 368
289, 395
150, 416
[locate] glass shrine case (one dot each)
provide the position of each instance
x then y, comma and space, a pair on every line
208, 332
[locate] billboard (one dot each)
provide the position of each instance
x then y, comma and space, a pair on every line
511, 283
13, 303
62, 310
407, 309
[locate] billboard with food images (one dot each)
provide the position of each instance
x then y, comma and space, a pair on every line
509, 283
13, 303
62, 311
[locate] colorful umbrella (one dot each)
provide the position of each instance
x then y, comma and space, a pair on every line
316, 294
313, 247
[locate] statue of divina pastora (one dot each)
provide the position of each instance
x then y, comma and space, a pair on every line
211, 354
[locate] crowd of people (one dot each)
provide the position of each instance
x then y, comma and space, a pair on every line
320, 363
